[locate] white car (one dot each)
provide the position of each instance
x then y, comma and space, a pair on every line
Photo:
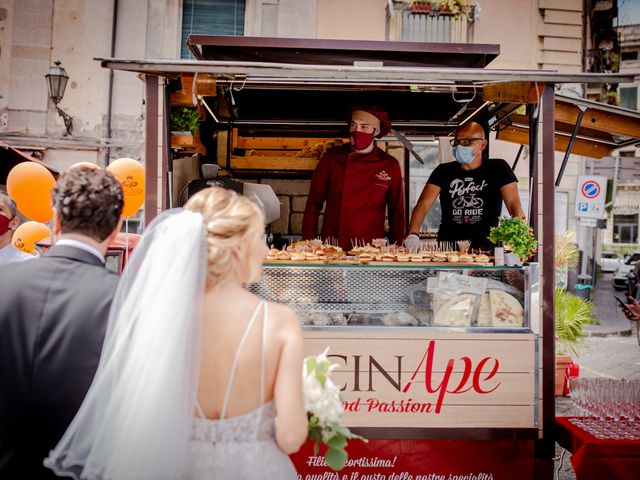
624, 269
609, 261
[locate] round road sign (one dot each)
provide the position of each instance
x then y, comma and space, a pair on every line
590, 189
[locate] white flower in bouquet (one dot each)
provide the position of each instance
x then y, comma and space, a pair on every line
324, 408
312, 389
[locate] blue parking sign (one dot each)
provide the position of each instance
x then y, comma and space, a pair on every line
591, 193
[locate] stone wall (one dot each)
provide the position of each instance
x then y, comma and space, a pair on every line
293, 198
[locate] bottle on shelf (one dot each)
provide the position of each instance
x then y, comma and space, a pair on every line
498, 255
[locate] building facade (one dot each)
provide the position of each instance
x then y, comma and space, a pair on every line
107, 107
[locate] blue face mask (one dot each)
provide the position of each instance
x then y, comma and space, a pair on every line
463, 155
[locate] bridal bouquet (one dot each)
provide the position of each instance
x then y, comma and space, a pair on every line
324, 409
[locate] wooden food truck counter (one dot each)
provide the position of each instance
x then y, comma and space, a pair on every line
438, 365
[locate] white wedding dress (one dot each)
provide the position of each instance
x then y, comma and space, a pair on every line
241, 447
137, 421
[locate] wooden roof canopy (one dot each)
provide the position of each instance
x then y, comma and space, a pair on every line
307, 87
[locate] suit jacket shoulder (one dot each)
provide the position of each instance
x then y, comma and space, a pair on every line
53, 317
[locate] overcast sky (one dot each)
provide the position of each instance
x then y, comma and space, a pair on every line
628, 12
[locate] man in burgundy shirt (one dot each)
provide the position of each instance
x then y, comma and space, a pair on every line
358, 182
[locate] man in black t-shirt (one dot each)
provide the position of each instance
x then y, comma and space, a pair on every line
471, 192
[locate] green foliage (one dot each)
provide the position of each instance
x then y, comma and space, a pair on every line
453, 6
515, 233
572, 314
566, 251
336, 458
334, 436
336, 455
622, 250
185, 119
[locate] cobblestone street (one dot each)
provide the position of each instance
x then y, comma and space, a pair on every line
611, 351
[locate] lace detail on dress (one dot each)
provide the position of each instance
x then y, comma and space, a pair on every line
240, 429
238, 447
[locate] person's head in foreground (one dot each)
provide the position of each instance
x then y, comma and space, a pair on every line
87, 205
234, 228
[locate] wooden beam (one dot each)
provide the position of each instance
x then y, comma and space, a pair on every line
516, 92
188, 142
259, 162
547, 273
206, 85
277, 143
594, 119
221, 148
585, 130
186, 80
580, 147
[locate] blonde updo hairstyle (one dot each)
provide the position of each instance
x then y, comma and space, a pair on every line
232, 222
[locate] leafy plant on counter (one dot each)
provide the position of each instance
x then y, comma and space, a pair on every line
185, 119
572, 313
515, 233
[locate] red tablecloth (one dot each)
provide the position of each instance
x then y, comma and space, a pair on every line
595, 459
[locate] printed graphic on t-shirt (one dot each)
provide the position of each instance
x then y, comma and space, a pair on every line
466, 200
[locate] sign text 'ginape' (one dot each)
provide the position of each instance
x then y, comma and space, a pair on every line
477, 378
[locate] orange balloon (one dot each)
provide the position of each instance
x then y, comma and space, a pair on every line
30, 185
27, 234
93, 166
130, 174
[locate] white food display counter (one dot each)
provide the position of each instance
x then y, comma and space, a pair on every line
431, 358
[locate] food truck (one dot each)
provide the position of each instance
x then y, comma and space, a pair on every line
447, 367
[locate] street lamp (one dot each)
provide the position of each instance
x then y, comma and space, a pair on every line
56, 83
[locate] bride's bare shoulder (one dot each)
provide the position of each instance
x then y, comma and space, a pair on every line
283, 317
281, 312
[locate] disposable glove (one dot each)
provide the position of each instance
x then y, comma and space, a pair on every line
412, 242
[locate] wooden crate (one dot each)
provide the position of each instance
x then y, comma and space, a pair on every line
275, 153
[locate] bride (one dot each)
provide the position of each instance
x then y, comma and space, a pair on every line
198, 378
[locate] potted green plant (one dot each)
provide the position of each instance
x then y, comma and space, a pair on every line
436, 7
572, 313
184, 126
515, 234
185, 120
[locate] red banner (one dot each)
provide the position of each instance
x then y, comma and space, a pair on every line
423, 460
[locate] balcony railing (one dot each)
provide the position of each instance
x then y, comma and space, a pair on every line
423, 23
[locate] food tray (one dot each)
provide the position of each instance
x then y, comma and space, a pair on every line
376, 263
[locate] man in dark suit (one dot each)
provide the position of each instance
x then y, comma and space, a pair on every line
53, 316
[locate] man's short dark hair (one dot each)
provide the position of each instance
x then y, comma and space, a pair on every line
88, 201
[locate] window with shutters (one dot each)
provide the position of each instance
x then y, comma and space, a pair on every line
625, 228
211, 17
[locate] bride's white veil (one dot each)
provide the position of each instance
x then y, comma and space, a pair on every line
136, 418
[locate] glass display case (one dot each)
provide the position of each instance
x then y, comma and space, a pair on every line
475, 298
423, 352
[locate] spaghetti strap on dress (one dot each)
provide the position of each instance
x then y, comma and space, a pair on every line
243, 446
